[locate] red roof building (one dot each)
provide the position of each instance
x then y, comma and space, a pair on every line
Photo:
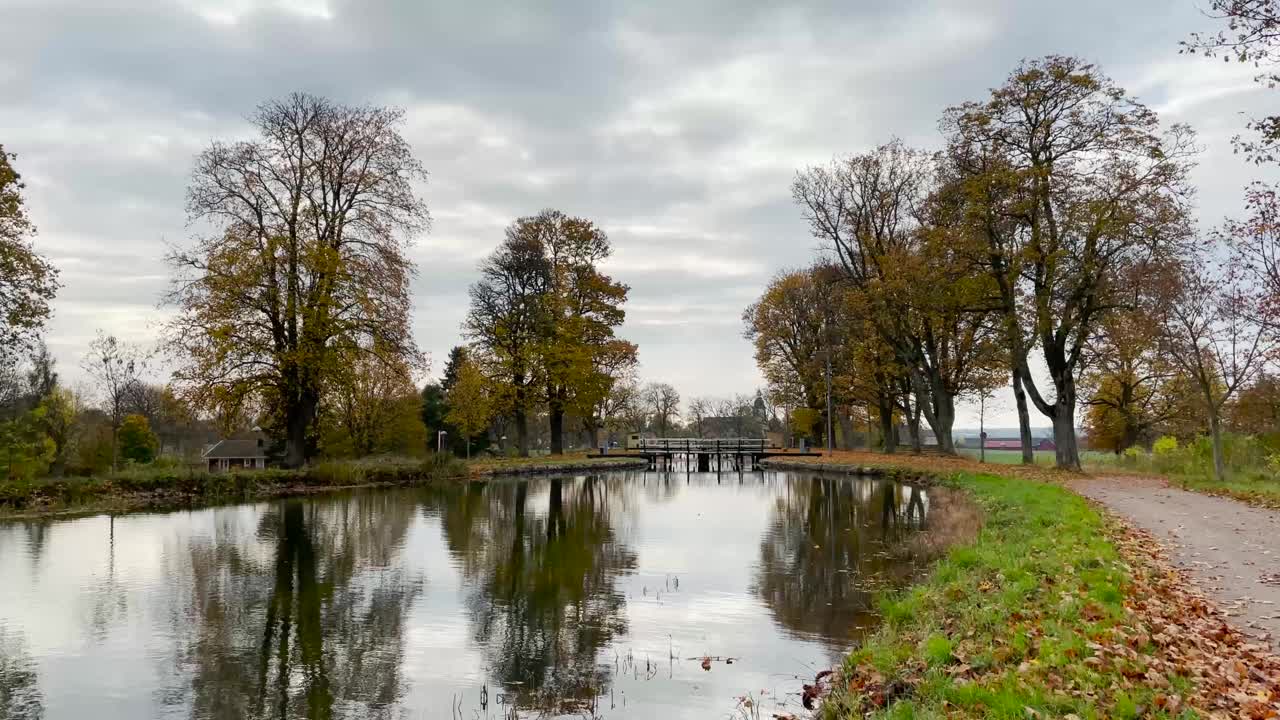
1016, 444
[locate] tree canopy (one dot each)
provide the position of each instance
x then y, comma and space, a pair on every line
304, 262
28, 281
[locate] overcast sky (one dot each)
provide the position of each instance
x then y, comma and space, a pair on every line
676, 126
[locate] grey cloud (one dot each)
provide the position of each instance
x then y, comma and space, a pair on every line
678, 126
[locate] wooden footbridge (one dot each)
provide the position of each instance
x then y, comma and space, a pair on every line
733, 454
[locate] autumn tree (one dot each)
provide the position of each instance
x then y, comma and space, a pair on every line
367, 394
59, 413
28, 281
1070, 183
470, 402
1256, 409
542, 320
792, 326
1211, 333
579, 352
116, 368
662, 402
1249, 33
881, 215
303, 263
506, 321
1254, 243
1130, 388
614, 388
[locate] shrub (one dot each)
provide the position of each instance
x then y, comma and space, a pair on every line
1166, 445
137, 443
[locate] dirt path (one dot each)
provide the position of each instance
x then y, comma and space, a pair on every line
1232, 549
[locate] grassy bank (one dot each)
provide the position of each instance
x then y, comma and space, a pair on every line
1007, 623
151, 487
1053, 611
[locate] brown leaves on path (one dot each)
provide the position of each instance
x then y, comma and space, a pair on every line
1233, 676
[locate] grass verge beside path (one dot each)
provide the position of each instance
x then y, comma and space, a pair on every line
1254, 491
1055, 610
156, 488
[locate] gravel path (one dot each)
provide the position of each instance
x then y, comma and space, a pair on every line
1232, 549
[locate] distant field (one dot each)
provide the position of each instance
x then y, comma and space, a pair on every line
1043, 457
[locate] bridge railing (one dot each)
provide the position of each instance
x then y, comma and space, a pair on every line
720, 445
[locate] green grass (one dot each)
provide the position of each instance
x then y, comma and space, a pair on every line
1088, 458
1004, 624
1251, 487
1252, 467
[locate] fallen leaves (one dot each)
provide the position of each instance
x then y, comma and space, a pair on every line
1232, 677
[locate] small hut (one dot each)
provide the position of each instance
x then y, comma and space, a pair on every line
243, 450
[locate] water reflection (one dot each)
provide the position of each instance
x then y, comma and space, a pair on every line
538, 598
543, 597
20, 697
305, 621
830, 546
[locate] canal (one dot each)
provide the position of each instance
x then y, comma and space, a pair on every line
619, 595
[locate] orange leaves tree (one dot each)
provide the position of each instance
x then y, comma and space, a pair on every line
1069, 184
301, 263
790, 328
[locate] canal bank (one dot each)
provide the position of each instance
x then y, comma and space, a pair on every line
1055, 610
175, 488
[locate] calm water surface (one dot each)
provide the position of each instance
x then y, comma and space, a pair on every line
571, 597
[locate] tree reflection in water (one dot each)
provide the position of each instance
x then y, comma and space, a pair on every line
20, 696
305, 621
543, 596
832, 543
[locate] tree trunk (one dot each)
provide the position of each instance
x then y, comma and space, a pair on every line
299, 417
888, 439
913, 429
846, 431
522, 428
1024, 419
1064, 424
939, 408
555, 413
1063, 410
555, 511
944, 420
1219, 457
1064, 436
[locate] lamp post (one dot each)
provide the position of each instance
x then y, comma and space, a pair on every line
440, 440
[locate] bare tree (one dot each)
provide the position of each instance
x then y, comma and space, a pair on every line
117, 368
1212, 334
1250, 34
663, 402
701, 409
